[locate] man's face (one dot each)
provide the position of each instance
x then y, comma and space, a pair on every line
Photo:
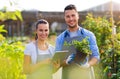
71, 18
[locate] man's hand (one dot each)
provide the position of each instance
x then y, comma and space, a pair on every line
70, 58
83, 64
86, 65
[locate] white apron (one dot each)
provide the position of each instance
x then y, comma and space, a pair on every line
44, 72
75, 71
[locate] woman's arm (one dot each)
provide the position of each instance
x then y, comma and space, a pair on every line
28, 68
26, 64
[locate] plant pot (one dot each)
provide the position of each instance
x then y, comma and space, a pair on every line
80, 56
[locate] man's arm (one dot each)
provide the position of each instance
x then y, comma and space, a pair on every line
95, 57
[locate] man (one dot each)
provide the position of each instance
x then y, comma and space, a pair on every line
73, 32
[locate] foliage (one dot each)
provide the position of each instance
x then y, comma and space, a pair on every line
109, 49
81, 46
11, 59
11, 53
10, 15
1, 38
101, 28
2, 30
117, 43
5, 14
52, 33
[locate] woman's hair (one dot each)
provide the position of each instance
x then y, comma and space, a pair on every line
41, 21
70, 7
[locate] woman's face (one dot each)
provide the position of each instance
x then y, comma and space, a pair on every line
42, 31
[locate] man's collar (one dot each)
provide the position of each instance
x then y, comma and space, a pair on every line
67, 32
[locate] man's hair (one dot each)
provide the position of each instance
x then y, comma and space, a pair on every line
70, 7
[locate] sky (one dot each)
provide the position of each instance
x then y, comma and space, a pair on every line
50, 5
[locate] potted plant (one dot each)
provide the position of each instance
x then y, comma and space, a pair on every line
81, 47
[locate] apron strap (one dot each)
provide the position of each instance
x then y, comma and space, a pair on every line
36, 45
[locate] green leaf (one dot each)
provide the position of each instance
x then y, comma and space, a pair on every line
18, 14
2, 29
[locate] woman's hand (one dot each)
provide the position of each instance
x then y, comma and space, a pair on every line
46, 61
56, 65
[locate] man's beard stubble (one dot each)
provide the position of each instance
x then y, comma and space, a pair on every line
72, 26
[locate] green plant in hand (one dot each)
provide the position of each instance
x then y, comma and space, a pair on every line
81, 46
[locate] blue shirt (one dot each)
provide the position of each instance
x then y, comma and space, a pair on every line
80, 31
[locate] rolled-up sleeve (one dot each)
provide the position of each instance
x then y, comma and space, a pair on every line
27, 50
94, 47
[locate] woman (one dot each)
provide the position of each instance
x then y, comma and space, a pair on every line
37, 54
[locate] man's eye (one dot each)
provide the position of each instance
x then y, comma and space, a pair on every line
46, 30
67, 16
73, 15
40, 30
